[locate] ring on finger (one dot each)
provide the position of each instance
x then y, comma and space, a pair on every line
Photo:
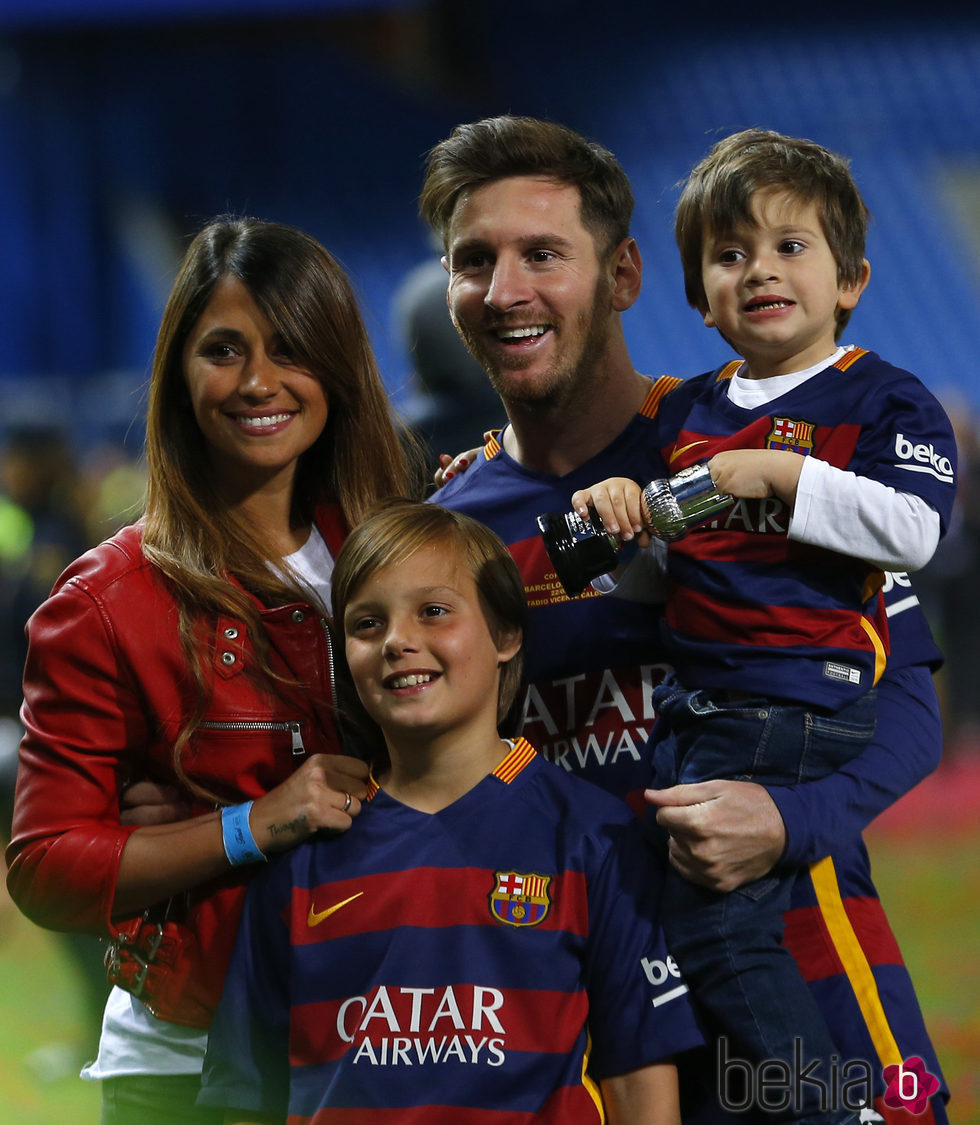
346, 803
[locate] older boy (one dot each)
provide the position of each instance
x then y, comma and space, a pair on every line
490, 927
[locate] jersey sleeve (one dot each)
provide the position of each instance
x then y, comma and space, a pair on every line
639, 1007
823, 816
247, 1061
909, 444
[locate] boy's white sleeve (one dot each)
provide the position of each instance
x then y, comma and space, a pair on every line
863, 518
641, 579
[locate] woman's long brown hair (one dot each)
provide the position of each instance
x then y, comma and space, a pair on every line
360, 457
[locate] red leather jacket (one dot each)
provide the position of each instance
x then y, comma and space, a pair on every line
106, 693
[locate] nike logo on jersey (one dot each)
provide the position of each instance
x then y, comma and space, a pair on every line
684, 448
315, 917
925, 458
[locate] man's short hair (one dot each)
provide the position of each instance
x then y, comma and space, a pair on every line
717, 198
499, 147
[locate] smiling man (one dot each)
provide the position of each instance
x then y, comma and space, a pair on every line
535, 222
540, 268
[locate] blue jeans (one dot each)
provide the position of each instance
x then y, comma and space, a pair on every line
729, 946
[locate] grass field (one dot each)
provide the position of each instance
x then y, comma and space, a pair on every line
929, 888
926, 858
40, 1010
925, 855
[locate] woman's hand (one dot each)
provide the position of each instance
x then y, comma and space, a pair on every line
324, 793
450, 466
162, 859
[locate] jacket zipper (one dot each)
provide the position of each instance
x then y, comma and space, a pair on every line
294, 728
330, 662
333, 683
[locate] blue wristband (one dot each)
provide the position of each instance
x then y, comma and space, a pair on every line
236, 835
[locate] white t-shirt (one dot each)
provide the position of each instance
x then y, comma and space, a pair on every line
133, 1041
312, 564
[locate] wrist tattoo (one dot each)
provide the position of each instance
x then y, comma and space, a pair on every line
292, 826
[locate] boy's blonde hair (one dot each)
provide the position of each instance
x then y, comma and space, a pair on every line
398, 529
717, 198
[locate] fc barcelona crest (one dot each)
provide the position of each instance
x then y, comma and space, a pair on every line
520, 900
787, 433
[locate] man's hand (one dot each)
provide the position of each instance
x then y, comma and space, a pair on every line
722, 833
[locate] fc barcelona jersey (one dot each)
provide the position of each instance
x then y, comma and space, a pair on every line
751, 610
453, 967
591, 661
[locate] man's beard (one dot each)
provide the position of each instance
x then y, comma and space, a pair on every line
568, 377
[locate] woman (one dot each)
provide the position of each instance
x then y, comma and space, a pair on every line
191, 648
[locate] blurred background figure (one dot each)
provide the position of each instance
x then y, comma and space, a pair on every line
43, 527
450, 401
948, 591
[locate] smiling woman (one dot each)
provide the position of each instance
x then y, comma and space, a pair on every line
192, 649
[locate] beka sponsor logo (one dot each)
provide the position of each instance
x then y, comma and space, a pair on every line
924, 458
660, 973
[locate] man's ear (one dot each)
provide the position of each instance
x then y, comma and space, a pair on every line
627, 274
850, 292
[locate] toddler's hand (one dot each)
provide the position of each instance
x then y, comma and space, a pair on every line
753, 474
618, 502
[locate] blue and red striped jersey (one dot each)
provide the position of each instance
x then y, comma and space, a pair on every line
590, 661
455, 966
751, 610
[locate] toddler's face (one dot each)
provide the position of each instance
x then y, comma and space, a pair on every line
772, 286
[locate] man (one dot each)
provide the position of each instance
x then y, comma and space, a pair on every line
535, 225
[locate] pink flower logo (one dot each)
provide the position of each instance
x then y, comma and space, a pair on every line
910, 1085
